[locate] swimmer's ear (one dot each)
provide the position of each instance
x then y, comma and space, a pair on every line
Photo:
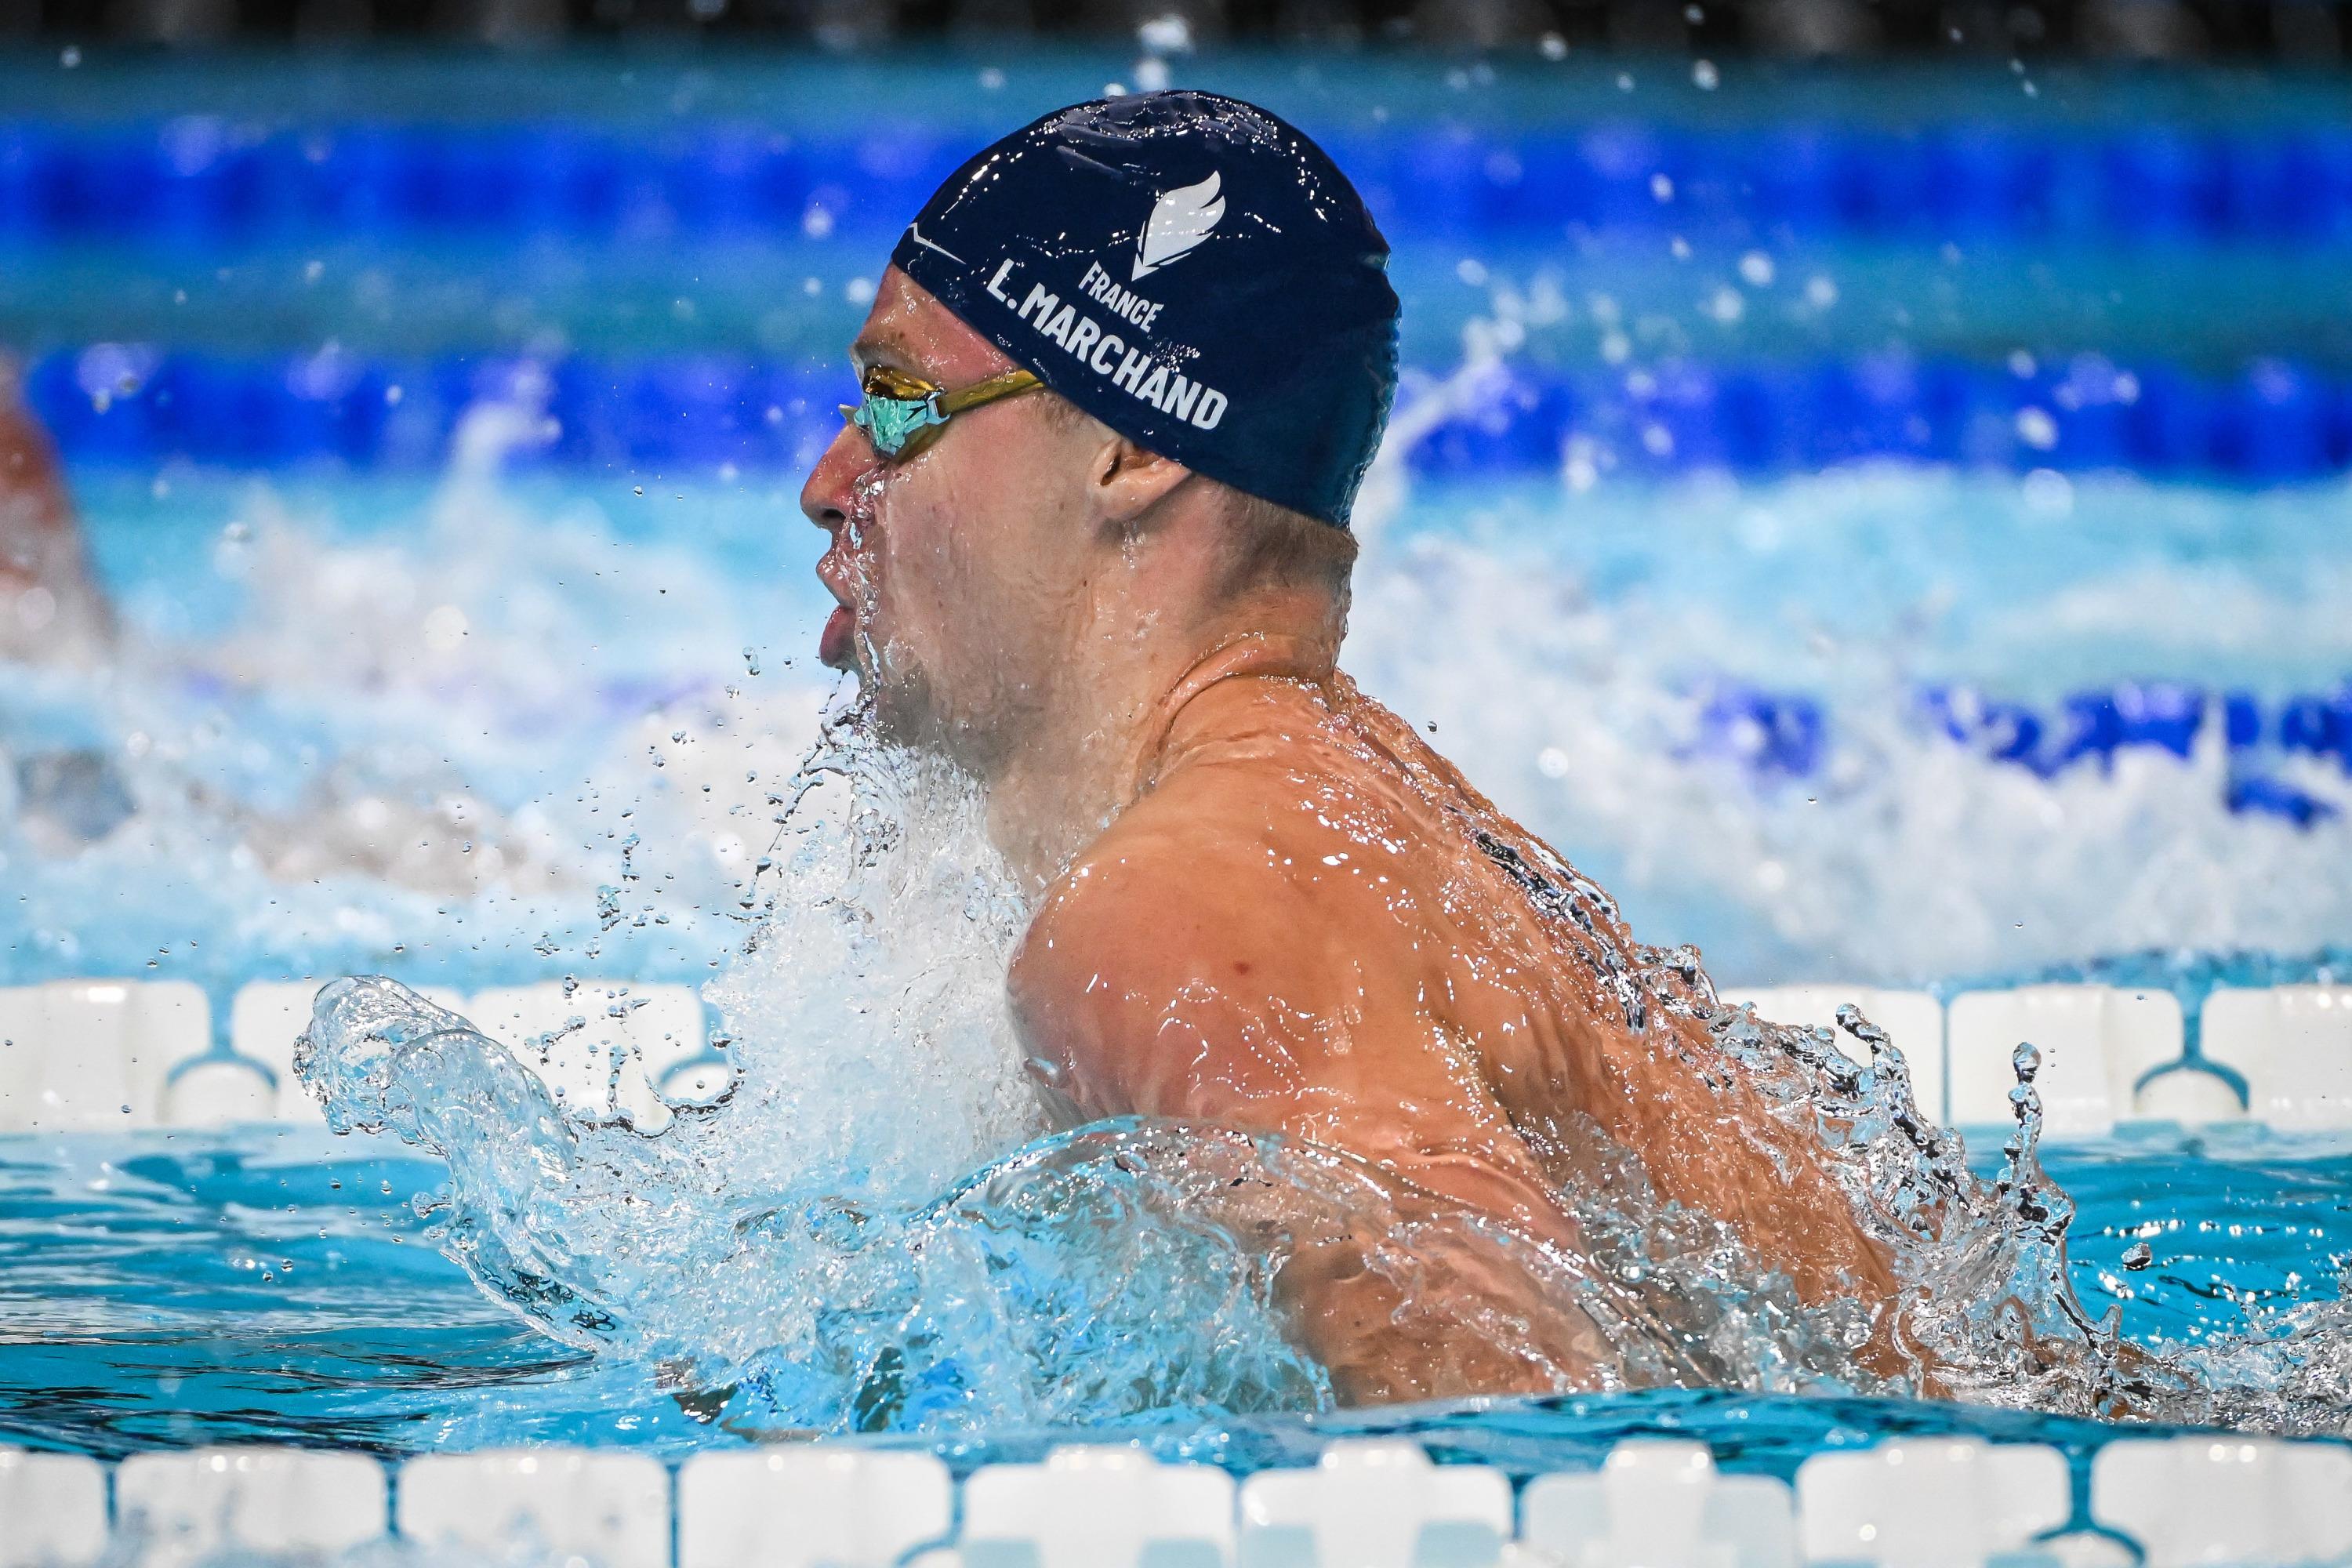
1128, 483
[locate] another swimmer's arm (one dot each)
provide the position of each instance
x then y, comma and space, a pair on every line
34, 506
48, 603
1211, 992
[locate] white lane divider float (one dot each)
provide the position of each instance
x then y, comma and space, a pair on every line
1659, 1504
75, 1053
95, 1055
2100, 1046
2095, 1042
1370, 1503
2196, 1499
189, 1505
52, 1509
2190, 1501
2294, 1043
571, 1038
1934, 1502
601, 1046
809, 1506
1098, 1507
610, 1506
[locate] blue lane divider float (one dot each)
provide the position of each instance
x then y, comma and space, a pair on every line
2276, 422
1783, 737
218, 179
204, 179
2090, 729
130, 406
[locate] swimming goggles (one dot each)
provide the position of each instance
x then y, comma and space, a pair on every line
902, 413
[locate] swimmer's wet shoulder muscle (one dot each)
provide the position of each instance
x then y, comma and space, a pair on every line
1299, 929
1192, 965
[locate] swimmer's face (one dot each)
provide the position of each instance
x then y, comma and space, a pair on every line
957, 570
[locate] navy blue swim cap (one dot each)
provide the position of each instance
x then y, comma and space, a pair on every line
1190, 271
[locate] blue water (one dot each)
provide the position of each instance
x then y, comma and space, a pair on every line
270, 1287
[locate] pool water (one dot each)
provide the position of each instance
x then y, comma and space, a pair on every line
278, 1286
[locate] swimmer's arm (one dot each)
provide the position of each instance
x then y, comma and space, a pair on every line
34, 505
41, 558
1215, 993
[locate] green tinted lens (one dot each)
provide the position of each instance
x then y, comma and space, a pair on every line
891, 422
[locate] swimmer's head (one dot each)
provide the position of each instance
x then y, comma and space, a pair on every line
1203, 305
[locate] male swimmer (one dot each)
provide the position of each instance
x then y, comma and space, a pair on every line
1088, 532
54, 612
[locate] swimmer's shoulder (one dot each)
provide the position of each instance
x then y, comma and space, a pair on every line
1155, 956
1180, 967
1224, 879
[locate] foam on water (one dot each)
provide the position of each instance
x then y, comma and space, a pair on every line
366, 728
1901, 857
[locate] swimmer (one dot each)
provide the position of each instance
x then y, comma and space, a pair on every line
50, 608
425, 835
1088, 534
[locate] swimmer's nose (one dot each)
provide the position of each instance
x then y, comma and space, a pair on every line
826, 498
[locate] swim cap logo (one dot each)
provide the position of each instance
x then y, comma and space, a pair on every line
1181, 219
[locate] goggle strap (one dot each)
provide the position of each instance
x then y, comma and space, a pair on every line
989, 390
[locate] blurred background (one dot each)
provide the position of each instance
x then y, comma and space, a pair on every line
1870, 481
2297, 31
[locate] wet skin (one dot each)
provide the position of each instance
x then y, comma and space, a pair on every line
1264, 901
